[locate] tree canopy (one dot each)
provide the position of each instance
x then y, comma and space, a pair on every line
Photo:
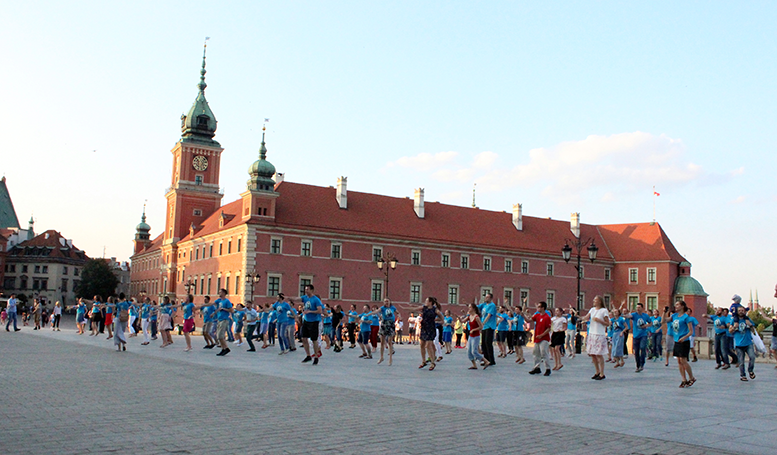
97, 278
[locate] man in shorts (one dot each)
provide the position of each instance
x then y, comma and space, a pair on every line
311, 317
207, 310
387, 319
224, 318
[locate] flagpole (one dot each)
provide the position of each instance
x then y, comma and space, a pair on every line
654, 204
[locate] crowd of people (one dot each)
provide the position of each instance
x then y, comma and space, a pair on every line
319, 327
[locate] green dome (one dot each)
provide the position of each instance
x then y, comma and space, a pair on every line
261, 172
686, 285
199, 124
143, 226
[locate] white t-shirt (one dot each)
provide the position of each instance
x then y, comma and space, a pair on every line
595, 327
57, 310
558, 324
398, 325
411, 322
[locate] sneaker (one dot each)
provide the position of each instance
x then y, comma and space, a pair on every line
547, 372
226, 351
726, 366
717, 367
221, 353
315, 361
250, 350
535, 371
307, 359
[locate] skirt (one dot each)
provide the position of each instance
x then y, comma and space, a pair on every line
596, 344
557, 339
617, 345
165, 322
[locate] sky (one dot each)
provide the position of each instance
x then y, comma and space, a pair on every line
561, 106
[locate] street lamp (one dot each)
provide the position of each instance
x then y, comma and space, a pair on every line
566, 253
188, 285
252, 280
390, 262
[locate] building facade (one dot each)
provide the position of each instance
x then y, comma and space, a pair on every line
292, 234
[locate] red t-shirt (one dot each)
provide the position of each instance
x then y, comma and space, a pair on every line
541, 324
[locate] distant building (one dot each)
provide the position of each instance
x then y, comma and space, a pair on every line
10, 231
122, 272
47, 266
293, 234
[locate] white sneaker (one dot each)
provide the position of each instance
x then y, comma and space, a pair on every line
240, 344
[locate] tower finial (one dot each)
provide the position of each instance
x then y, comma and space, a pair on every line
473, 195
202, 83
143, 218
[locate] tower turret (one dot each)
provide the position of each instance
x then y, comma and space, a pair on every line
260, 195
142, 233
199, 124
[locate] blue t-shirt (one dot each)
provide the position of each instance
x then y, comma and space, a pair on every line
366, 322
109, 308
618, 325
447, 325
133, 310
224, 305
80, 309
144, 311
655, 324
273, 316
570, 324
742, 334
502, 324
328, 318
489, 308
519, 322
312, 303
680, 326
282, 310
208, 313
265, 317
694, 323
352, 316
721, 323
375, 320
640, 323
237, 316
388, 314
188, 310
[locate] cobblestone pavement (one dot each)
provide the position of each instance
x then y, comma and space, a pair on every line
65, 393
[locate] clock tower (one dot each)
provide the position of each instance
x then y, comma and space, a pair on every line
194, 192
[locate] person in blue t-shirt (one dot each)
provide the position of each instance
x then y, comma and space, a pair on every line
365, 321
721, 323
742, 329
311, 316
694, 323
285, 324
489, 326
520, 335
640, 321
208, 312
145, 321
656, 335
617, 326
386, 314
224, 318
501, 331
80, 315
352, 326
237, 319
447, 331
682, 329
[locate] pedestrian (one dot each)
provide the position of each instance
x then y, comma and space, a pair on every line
374, 328
326, 334
411, 332
542, 328
428, 314
617, 326
365, 321
109, 306
520, 335
188, 321
682, 329
145, 321
311, 317
447, 331
398, 327
237, 318
742, 327
284, 320
96, 315
458, 329
387, 314
721, 324
502, 328
57, 316
224, 318
11, 313
558, 326
154, 319
36, 311
133, 317
121, 308
250, 318
473, 340
488, 312
656, 335
596, 341
352, 326
80, 317
337, 327
166, 322
571, 332
640, 322
264, 325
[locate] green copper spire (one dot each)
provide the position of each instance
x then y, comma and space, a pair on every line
261, 171
199, 124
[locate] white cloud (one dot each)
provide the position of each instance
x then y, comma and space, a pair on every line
425, 161
739, 200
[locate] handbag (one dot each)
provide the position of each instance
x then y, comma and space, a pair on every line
758, 343
124, 316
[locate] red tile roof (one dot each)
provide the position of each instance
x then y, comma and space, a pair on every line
50, 244
155, 244
211, 224
639, 242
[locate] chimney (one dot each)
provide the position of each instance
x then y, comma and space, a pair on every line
342, 192
278, 177
418, 203
518, 216
574, 225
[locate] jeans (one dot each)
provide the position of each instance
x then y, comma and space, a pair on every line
153, 328
639, 346
732, 352
11, 317
487, 345
352, 333
750, 351
472, 348
657, 337
721, 348
271, 333
458, 339
57, 317
230, 336
283, 336
250, 335
542, 354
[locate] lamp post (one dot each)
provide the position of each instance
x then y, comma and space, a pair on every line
390, 262
189, 285
566, 253
252, 280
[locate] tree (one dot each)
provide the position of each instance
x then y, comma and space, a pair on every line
97, 278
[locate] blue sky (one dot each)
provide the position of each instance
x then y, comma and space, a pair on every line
572, 106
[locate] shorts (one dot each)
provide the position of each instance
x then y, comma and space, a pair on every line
669, 344
692, 340
774, 343
386, 329
239, 327
310, 330
557, 339
364, 337
188, 325
520, 338
221, 329
501, 336
447, 337
108, 318
206, 327
328, 330
682, 349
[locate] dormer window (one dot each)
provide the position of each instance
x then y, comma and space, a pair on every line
202, 120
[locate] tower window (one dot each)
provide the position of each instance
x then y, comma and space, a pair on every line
202, 120
197, 212
198, 180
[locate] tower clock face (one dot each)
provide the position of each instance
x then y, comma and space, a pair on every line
200, 163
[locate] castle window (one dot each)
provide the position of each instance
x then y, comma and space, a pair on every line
202, 120
198, 180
